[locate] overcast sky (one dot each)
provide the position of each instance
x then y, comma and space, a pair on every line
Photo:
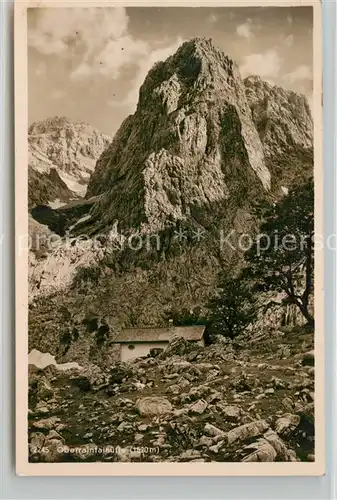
88, 64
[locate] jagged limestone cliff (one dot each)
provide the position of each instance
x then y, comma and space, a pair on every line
190, 145
285, 126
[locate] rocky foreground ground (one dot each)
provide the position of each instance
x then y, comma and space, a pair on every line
233, 401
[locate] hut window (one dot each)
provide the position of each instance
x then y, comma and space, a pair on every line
131, 347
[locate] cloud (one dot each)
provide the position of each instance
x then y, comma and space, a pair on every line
266, 64
96, 39
119, 53
212, 18
245, 30
57, 94
41, 69
57, 30
112, 57
83, 70
289, 40
302, 72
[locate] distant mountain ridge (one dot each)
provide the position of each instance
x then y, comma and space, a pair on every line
62, 156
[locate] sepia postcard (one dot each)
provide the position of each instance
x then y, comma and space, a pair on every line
169, 238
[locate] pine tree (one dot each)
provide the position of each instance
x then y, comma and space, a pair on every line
233, 308
282, 256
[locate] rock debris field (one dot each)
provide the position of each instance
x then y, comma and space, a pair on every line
233, 401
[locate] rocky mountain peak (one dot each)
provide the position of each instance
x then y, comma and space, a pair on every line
191, 142
197, 67
203, 50
208, 54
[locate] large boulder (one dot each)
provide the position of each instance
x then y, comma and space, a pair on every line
198, 407
262, 451
178, 346
247, 431
154, 405
91, 377
287, 424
